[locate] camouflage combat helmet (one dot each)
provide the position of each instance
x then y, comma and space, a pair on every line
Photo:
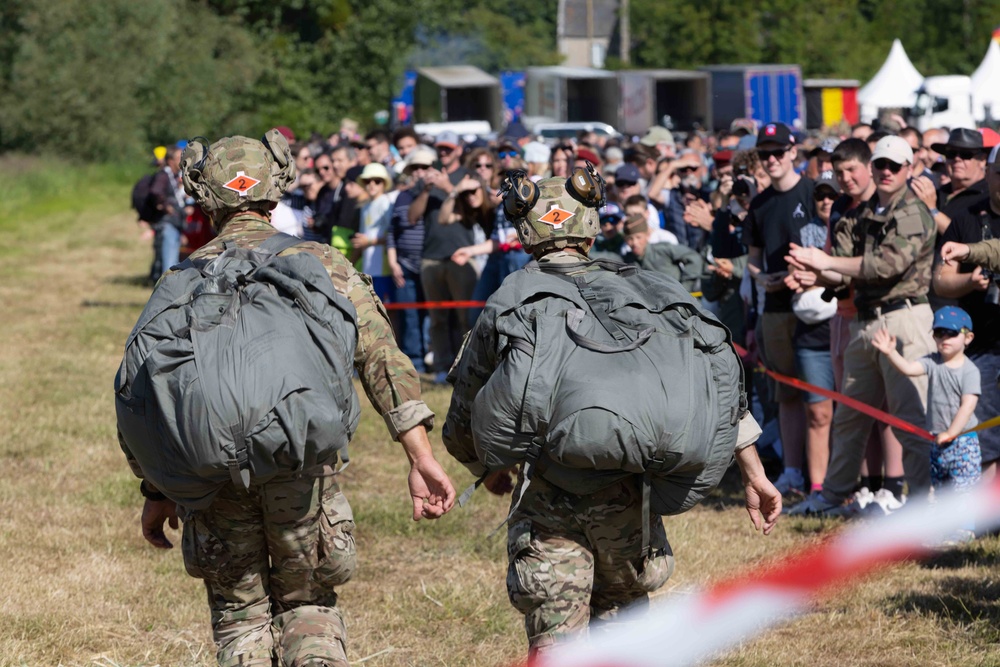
238, 173
554, 213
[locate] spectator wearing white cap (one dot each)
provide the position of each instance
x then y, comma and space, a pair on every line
536, 156
978, 292
890, 268
370, 240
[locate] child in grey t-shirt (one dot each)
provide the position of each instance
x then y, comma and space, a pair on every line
952, 394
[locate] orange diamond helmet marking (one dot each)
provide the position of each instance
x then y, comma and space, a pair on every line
556, 217
241, 183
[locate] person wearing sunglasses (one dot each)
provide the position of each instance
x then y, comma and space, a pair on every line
965, 164
509, 156
969, 273
773, 222
891, 253
954, 386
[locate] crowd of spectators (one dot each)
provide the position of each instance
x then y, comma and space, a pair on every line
734, 216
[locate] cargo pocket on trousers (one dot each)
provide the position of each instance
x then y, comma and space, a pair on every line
205, 555
337, 551
659, 564
525, 587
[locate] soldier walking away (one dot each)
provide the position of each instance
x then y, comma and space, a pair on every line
563, 374
235, 404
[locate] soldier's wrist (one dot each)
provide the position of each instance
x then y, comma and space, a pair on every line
150, 493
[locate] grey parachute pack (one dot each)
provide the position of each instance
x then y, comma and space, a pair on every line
238, 370
607, 373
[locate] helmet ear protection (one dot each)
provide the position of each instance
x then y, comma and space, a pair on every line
193, 161
587, 186
283, 168
520, 194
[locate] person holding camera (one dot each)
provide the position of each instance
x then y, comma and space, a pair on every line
972, 279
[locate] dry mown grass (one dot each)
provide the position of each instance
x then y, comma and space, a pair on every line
81, 587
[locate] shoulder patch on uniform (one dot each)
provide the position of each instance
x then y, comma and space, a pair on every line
910, 221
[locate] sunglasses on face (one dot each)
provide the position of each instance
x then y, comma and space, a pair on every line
965, 156
944, 334
503, 154
885, 163
684, 171
325, 168
484, 165
766, 155
445, 150
625, 184
368, 181
820, 196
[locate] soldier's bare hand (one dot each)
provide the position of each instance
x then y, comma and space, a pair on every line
807, 258
430, 489
763, 504
500, 482
952, 252
154, 514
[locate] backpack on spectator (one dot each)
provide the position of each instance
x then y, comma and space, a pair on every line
239, 369
606, 374
142, 199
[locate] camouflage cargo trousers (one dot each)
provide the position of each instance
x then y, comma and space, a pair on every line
575, 561
271, 558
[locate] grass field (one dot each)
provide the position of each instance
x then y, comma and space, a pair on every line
81, 586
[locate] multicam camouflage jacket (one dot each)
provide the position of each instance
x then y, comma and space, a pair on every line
387, 375
896, 246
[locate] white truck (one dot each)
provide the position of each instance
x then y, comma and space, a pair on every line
943, 101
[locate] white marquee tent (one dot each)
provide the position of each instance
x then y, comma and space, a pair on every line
986, 84
894, 85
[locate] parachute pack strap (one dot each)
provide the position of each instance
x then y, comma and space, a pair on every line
239, 463
599, 310
277, 244
467, 494
647, 483
574, 318
531, 464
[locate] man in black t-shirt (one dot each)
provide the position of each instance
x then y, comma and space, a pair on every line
775, 219
978, 292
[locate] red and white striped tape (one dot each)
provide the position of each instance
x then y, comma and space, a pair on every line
691, 629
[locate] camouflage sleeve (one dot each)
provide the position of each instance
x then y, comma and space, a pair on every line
388, 376
985, 254
897, 253
474, 366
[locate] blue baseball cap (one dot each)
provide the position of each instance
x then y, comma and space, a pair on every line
611, 213
952, 317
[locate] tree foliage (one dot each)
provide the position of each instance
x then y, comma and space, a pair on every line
99, 80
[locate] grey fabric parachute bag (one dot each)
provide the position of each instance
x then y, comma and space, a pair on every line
606, 374
239, 369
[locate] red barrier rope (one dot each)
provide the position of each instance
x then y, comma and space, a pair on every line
884, 417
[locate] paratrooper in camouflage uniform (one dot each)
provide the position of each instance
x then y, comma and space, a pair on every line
572, 558
271, 557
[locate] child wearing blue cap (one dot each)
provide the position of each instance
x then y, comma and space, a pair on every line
952, 394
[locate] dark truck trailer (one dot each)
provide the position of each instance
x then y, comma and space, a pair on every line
450, 94
646, 96
571, 95
765, 93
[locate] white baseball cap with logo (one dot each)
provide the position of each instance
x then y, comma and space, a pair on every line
893, 148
